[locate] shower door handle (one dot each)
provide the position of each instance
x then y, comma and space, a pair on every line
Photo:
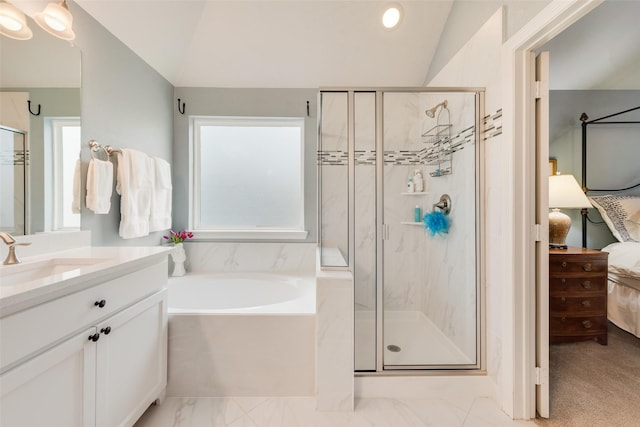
385, 231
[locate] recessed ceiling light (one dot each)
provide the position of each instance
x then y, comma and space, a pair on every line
392, 16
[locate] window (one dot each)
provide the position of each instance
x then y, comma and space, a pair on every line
247, 177
65, 150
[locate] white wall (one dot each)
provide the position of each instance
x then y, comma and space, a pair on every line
468, 16
478, 63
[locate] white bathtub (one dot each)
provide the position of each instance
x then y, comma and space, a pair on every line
241, 334
242, 293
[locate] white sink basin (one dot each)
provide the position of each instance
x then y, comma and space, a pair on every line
26, 272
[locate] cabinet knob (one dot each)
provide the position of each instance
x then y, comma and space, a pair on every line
586, 284
100, 303
564, 264
587, 267
95, 337
586, 303
106, 330
563, 299
587, 324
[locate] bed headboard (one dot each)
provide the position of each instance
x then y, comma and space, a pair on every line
611, 119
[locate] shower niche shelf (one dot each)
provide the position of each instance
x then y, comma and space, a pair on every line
410, 223
415, 193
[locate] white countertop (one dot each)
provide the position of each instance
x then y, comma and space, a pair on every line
111, 263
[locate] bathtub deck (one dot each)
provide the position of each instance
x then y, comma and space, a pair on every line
419, 339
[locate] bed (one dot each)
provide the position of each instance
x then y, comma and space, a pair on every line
620, 211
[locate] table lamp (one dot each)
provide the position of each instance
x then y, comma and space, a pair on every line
565, 193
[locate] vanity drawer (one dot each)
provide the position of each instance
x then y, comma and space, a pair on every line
26, 332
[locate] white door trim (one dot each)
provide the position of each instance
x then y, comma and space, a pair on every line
518, 351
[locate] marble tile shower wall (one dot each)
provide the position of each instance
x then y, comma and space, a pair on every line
285, 258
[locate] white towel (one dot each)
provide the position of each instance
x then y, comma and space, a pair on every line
160, 217
99, 186
135, 176
77, 188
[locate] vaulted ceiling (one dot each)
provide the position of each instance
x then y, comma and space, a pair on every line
303, 43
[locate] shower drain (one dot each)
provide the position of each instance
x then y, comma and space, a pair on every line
394, 348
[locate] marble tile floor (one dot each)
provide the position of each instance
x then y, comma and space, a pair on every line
300, 412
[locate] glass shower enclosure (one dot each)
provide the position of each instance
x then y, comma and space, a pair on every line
399, 207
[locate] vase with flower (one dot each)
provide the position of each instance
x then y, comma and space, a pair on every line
178, 255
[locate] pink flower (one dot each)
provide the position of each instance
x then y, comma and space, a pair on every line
180, 236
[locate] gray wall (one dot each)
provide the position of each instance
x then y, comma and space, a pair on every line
466, 18
249, 103
613, 150
125, 103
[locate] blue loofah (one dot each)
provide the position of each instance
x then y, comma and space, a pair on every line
436, 223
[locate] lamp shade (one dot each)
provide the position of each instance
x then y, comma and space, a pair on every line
13, 22
564, 192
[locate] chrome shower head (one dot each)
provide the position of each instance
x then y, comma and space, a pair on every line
431, 112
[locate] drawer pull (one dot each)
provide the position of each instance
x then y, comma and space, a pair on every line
100, 303
563, 299
95, 337
586, 284
563, 319
106, 330
587, 324
586, 303
564, 264
587, 267
563, 280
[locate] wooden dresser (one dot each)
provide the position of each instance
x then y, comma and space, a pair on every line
577, 295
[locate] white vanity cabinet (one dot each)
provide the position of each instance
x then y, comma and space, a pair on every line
95, 357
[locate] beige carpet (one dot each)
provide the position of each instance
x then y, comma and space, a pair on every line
593, 385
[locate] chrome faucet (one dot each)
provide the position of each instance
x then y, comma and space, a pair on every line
11, 258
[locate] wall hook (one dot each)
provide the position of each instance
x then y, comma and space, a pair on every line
181, 110
29, 105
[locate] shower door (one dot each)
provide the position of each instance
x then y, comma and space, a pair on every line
430, 286
14, 161
416, 294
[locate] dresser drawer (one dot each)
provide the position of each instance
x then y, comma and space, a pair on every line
568, 265
585, 325
578, 305
577, 284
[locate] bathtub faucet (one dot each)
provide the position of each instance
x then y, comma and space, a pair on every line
8, 239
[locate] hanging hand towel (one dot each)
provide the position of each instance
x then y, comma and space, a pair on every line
134, 184
160, 218
77, 188
99, 186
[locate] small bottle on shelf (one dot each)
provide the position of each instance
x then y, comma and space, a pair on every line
410, 186
417, 214
418, 181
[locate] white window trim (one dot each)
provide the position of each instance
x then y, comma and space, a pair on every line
258, 233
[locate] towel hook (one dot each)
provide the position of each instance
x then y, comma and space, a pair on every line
29, 106
181, 110
444, 204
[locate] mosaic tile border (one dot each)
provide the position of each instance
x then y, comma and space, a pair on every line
429, 155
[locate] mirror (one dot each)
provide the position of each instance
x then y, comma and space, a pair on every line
46, 71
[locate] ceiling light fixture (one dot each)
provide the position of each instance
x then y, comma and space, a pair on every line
13, 23
57, 20
392, 16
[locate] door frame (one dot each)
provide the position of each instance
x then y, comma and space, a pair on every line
518, 394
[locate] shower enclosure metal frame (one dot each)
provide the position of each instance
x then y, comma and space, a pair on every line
381, 368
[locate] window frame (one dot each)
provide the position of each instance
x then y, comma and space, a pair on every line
294, 232
56, 124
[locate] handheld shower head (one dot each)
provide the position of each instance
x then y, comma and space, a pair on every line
431, 112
